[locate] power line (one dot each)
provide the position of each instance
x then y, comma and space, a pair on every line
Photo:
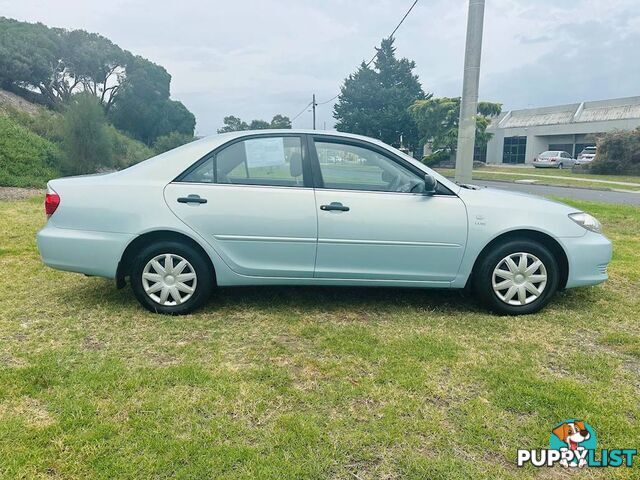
394, 30
303, 110
403, 18
327, 101
369, 63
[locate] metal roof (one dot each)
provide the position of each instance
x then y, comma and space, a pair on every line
525, 119
602, 114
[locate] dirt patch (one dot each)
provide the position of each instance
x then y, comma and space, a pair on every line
8, 194
13, 101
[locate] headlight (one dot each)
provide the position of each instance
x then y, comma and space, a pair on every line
587, 221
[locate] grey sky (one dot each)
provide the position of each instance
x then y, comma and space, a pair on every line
256, 58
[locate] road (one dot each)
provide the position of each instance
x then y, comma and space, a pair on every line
606, 196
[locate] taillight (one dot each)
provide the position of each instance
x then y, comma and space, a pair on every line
51, 202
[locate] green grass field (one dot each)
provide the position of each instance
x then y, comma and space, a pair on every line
306, 382
568, 179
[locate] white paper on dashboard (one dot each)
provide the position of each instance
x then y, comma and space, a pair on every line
265, 152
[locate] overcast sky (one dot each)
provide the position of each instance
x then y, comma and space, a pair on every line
254, 58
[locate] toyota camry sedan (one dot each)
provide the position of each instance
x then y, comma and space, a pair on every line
296, 207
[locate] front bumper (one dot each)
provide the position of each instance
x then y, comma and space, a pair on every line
588, 258
82, 251
545, 164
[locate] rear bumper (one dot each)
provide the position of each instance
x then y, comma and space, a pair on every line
545, 165
588, 258
82, 251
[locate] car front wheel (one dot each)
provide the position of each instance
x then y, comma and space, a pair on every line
171, 278
517, 278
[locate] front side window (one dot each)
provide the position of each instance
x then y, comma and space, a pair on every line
275, 161
350, 167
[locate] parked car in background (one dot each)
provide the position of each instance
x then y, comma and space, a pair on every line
302, 207
587, 155
554, 159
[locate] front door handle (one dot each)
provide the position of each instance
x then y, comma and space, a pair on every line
337, 206
192, 199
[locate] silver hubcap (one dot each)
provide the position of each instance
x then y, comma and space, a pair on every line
519, 279
169, 279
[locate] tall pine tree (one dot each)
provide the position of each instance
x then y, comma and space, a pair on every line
375, 101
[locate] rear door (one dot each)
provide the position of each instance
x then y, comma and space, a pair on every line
371, 225
252, 200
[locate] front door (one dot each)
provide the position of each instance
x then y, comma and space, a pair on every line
372, 226
252, 201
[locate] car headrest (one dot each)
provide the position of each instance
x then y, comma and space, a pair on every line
295, 165
387, 177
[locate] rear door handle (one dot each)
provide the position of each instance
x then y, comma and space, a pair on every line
192, 199
337, 206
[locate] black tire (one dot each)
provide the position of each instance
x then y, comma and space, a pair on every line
203, 284
483, 277
560, 166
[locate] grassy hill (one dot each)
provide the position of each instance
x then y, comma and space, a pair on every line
31, 139
26, 159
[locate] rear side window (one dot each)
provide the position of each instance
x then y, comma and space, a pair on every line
275, 161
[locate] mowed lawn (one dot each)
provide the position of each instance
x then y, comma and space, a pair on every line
546, 176
306, 382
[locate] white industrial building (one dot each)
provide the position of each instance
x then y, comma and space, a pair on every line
520, 135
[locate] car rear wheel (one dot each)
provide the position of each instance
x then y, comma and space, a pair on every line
171, 278
560, 166
517, 278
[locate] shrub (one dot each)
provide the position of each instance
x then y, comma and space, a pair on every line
437, 157
26, 159
86, 137
618, 153
171, 141
126, 150
45, 123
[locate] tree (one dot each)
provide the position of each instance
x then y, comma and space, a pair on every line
96, 63
50, 65
86, 139
30, 61
437, 120
280, 121
259, 125
143, 108
375, 101
235, 124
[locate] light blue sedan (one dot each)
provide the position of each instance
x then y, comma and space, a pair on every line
296, 207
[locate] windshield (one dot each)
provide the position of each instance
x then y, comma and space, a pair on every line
549, 154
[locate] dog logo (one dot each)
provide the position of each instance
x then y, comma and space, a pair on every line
573, 444
576, 436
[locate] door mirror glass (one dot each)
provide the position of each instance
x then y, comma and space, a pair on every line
430, 184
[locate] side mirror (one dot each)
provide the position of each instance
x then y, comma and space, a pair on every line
430, 184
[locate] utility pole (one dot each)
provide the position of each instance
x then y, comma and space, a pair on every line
313, 102
469, 102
